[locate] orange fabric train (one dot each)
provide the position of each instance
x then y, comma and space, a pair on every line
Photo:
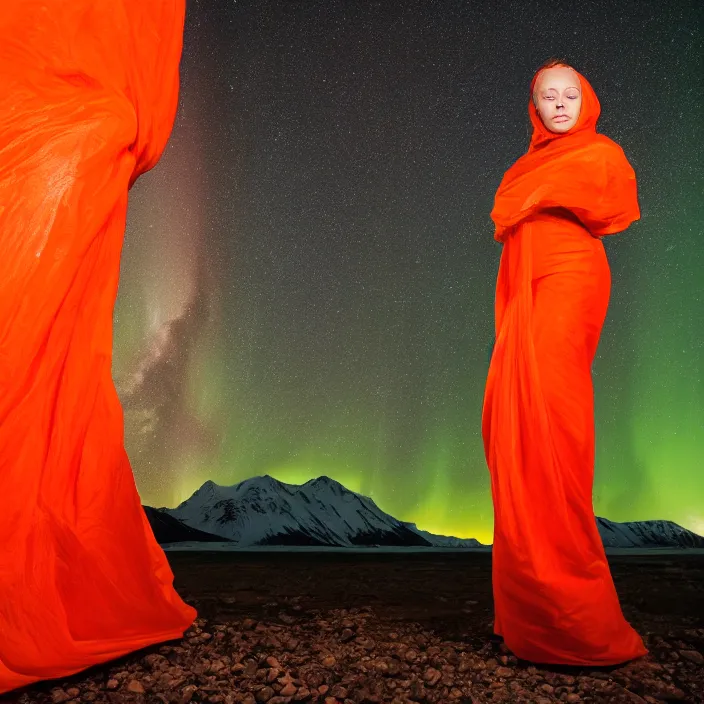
554, 597
87, 101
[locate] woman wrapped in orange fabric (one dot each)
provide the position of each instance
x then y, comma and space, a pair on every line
554, 597
89, 94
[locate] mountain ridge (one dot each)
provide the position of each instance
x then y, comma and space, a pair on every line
322, 512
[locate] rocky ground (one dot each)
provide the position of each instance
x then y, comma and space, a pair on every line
350, 628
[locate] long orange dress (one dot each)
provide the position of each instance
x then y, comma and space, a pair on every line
554, 597
88, 94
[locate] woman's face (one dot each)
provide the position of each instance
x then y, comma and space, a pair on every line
558, 98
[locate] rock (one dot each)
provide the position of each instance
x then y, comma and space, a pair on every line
431, 676
135, 686
187, 693
367, 643
250, 668
216, 666
693, 656
417, 690
112, 684
410, 655
288, 690
58, 696
338, 691
264, 694
271, 661
153, 660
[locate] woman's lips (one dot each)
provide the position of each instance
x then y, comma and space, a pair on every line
561, 118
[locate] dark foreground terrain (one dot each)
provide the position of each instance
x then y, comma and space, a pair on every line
396, 628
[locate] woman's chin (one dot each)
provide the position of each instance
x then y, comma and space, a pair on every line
560, 127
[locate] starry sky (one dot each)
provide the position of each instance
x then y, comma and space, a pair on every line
308, 275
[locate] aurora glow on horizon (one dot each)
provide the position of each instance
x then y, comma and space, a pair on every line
308, 276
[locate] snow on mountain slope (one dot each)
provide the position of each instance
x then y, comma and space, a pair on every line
322, 512
647, 534
264, 511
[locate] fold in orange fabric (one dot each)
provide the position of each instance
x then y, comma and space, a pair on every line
88, 99
554, 598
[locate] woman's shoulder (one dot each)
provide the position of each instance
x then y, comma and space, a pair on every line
607, 146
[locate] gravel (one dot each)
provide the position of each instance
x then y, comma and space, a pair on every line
270, 640
351, 656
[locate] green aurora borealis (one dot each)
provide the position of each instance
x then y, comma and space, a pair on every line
308, 276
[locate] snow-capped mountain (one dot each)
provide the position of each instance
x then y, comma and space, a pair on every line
647, 534
321, 512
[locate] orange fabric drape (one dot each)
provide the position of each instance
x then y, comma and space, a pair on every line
88, 94
554, 597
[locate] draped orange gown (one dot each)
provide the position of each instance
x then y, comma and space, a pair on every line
554, 597
87, 101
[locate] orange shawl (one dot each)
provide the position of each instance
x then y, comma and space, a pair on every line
582, 171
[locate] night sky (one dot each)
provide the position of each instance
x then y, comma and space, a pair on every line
308, 275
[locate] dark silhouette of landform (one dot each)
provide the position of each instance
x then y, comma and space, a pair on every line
262, 511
